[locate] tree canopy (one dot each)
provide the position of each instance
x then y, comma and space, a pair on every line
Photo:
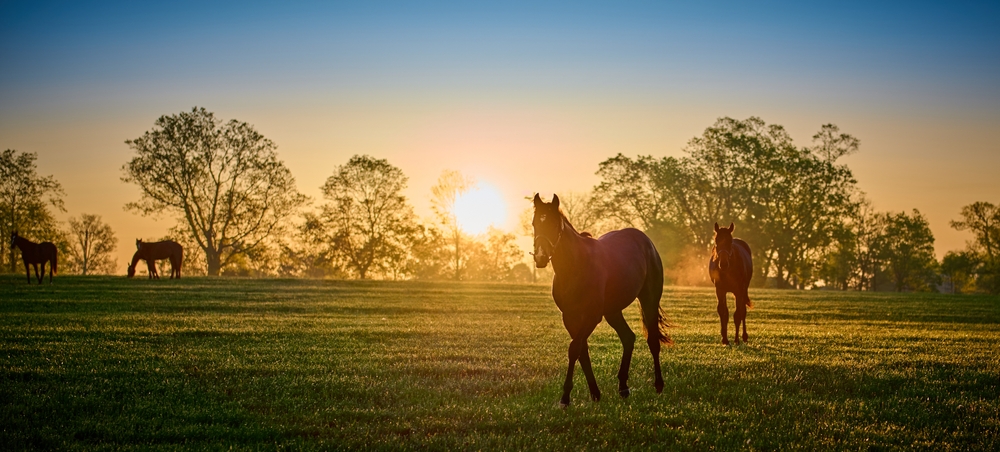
368, 217
223, 181
788, 201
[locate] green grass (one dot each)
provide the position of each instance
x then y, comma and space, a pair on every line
110, 363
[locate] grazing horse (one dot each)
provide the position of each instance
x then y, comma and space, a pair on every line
152, 251
597, 279
731, 268
35, 254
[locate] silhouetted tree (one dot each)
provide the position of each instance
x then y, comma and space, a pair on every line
960, 268
92, 246
223, 181
368, 216
983, 220
25, 200
908, 251
788, 201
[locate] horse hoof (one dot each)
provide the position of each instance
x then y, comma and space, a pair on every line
659, 387
725, 342
596, 397
563, 405
624, 393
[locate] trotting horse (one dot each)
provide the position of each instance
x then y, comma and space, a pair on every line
35, 254
731, 267
152, 251
597, 279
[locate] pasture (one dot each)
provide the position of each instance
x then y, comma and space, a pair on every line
109, 363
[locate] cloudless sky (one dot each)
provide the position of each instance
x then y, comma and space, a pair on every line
526, 96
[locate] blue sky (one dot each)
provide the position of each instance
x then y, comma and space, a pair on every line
943, 52
507, 91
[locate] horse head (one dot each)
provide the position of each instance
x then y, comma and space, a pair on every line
547, 224
131, 270
138, 243
724, 245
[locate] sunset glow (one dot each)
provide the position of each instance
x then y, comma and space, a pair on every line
480, 208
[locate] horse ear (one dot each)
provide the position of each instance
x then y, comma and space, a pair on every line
716, 227
555, 200
731, 227
537, 200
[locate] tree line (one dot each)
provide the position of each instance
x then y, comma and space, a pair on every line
236, 203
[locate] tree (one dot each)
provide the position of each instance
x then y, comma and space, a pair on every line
960, 268
223, 181
25, 199
983, 220
307, 251
788, 201
494, 258
908, 251
92, 245
368, 215
449, 186
428, 256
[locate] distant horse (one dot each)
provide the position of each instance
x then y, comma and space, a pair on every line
599, 278
152, 251
35, 254
731, 267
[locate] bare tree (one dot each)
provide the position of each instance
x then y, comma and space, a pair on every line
92, 245
224, 182
450, 185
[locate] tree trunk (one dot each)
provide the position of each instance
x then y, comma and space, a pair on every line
214, 262
86, 244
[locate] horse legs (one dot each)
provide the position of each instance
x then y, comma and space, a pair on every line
654, 349
741, 313
27, 272
595, 392
41, 275
723, 310
617, 321
151, 269
576, 347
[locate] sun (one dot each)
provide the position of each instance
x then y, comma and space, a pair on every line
479, 208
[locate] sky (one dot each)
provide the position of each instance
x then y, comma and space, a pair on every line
527, 97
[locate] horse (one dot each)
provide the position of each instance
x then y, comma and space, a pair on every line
35, 254
731, 267
152, 251
598, 278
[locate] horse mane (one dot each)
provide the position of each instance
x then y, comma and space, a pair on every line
565, 221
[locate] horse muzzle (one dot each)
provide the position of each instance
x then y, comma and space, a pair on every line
541, 259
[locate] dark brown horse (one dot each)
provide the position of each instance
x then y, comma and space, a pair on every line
731, 268
152, 251
597, 279
35, 254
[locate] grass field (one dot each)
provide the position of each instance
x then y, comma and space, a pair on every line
110, 363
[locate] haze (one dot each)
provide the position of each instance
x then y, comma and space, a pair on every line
524, 97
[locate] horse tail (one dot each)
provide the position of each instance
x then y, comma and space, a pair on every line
55, 261
654, 323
